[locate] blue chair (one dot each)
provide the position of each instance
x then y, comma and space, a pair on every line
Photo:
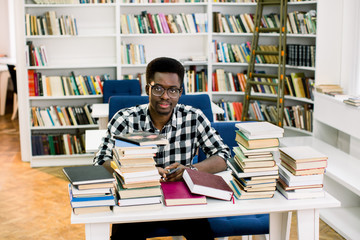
120, 87
201, 101
235, 225
221, 226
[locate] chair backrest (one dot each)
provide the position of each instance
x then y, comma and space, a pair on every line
227, 133
200, 101
119, 88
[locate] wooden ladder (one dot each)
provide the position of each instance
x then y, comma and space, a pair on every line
281, 53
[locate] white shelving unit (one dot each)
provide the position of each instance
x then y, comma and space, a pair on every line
96, 51
342, 181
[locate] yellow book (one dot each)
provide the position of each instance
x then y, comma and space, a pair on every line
83, 86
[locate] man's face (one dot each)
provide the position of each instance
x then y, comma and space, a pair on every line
164, 104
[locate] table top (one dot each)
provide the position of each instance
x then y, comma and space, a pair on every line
214, 208
100, 110
93, 139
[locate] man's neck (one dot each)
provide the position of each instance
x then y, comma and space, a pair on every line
158, 120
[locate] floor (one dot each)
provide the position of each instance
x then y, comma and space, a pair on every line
34, 203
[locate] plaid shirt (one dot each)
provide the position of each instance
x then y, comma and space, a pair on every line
187, 130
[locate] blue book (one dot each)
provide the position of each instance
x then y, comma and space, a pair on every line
52, 121
106, 200
125, 144
91, 85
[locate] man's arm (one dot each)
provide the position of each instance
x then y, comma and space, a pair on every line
213, 146
116, 126
212, 164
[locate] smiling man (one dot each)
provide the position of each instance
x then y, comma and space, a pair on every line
187, 130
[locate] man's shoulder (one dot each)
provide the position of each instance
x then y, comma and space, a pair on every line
133, 111
187, 109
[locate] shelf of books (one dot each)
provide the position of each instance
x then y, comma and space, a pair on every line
72, 46
69, 53
231, 41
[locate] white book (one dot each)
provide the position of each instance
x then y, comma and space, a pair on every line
54, 116
56, 86
248, 152
303, 153
46, 118
139, 201
292, 180
258, 130
290, 195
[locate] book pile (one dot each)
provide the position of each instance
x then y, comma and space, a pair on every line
328, 88
353, 101
254, 169
137, 178
90, 189
301, 172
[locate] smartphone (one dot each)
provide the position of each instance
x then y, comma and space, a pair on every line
171, 171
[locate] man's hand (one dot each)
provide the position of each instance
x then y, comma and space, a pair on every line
166, 176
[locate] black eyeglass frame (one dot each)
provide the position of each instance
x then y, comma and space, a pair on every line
165, 89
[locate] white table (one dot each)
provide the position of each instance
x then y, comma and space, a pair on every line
97, 226
93, 140
101, 111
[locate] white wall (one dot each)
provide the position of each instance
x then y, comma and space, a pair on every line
329, 41
350, 46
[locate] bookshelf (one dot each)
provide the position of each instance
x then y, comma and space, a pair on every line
96, 50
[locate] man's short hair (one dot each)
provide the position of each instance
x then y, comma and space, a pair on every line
164, 65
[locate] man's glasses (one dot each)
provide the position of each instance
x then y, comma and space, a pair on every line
158, 91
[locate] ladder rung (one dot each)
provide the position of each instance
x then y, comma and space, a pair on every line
272, 2
263, 83
263, 98
262, 30
259, 52
264, 75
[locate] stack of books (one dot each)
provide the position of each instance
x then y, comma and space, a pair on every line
301, 171
137, 178
353, 101
254, 169
90, 189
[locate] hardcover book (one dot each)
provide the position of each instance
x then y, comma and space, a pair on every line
302, 154
88, 174
292, 180
255, 143
143, 138
107, 200
241, 174
304, 194
178, 193
240, 193
207, 184
259, 130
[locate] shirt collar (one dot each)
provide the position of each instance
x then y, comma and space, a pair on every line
150, 126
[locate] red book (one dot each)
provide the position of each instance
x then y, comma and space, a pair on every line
151, 23
31, 81
177, 193
207, 184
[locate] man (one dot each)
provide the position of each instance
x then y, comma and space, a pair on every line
185, 127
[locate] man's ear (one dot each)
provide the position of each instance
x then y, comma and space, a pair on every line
147, 89
181, 91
